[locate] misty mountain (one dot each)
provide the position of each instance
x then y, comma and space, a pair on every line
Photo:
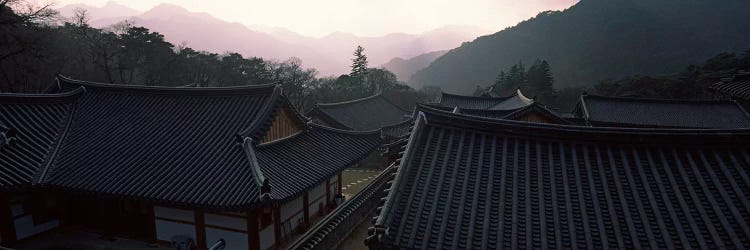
595, 40
110, 10
405, 68
331, 54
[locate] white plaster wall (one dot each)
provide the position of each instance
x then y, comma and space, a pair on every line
234, 240
25, 225
315, 193
226, 221
165, 230
267, 238
291, 214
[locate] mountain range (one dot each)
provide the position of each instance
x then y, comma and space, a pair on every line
595, 40
330, 55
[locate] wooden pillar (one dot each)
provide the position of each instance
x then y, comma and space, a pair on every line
7, 230
328, 192
306, 208
253, 229
341, 184
200, 229
152, 238
277, 224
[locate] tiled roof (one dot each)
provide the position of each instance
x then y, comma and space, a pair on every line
737, 86
317, 154
30, 126
179, 145
398, 130
515, 101
184, 146
539, 109
637, 112
476, 183
364, 114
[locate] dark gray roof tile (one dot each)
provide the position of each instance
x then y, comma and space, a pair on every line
637, 112
364, 114
469, 182
35, 123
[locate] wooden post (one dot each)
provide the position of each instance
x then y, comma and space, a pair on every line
7, 230
341, 184
277, 224
328, 192
306, 208
253, 229
152, 224
200, 229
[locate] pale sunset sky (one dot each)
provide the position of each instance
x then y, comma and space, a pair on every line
360, 17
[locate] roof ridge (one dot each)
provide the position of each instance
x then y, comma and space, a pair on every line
349, 101
620, 98
40, 178
42, 98
263, 183
379, 223
476, 97
338, 130
168, 89
494, 123
264, 115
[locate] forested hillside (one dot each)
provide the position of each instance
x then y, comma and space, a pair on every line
596, 40
405, 68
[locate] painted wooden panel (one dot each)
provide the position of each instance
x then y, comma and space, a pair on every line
226, 221
284, 125
234, 240
535, 117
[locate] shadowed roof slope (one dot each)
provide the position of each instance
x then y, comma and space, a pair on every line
738, 86
618, 111
34, 122
318, 154
364, 114
474, 183
179, 145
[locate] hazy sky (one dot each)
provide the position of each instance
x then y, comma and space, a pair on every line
361, 17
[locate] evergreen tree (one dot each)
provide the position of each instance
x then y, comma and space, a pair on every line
359, 71
540, 81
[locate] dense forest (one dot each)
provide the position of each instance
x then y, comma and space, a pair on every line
596, 40
693, 82
36, 44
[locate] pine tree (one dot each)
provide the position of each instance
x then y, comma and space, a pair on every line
540, 81
359, 72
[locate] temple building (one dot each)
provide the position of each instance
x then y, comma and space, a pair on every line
468, 182
366, 114
151, 163
601, 111
512, 102
514, 107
